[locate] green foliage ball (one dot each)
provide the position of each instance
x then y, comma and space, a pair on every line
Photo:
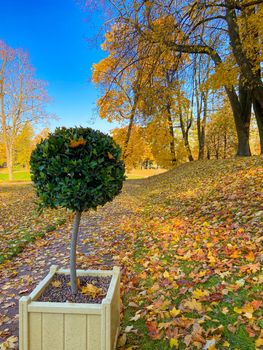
77, 168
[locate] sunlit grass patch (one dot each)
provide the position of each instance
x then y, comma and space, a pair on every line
18, 175
143, 173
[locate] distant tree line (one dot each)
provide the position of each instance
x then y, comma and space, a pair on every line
23, 145
23, 100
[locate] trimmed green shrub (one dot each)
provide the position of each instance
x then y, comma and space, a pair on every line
78, 169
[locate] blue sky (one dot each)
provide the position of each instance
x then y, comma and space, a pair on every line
55, 32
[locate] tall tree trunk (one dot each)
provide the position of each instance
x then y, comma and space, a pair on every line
243, 140
242, 113
171, 132
201, 74
201, 121
128, 136
201, 144
224, 145
258, 109
198, 111
241, 117
245, 98
185, 134
259, 117
73, 248
7, 145
9, 162
188, 150
249, 67
245, 64
198, 123
258, 95
131, 122
201, 125
208, 154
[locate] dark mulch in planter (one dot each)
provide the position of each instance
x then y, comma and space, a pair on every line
63, 293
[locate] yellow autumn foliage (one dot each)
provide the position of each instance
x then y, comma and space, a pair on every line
138, 150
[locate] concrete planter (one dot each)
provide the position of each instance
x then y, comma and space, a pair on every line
70, 326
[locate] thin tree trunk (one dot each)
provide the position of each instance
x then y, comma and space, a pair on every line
201, 104
224, 145
198, 116
198, 122
185, 134
128, 136
203, 127
200, 129
188, 149
8, 147
201, 150
9, 161
245, 98
73, 248
131, 122
259, 117
218, 147
171, 132
258, 110
208, 154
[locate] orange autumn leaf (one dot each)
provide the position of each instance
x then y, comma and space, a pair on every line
193, 305
175, 312
199, 293
152, 329
110, 156
250, 256
91, 290
256, 304
77, 143
235, 255
211, 258
259, 343
56, 284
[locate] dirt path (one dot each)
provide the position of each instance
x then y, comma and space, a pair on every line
98, 242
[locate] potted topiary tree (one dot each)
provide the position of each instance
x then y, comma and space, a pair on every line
78, 169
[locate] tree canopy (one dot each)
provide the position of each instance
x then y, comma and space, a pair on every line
205, 51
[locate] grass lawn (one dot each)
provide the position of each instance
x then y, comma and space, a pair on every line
24, 175
18, 175
143, 173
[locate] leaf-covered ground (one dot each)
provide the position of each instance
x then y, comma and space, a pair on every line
197, 256
189, 242
20, 224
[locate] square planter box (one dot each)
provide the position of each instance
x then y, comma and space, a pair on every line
70, 326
